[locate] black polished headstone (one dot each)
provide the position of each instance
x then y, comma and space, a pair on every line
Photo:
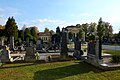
64, 49
91, 48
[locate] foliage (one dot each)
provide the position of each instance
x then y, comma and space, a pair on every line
115, 58
21, 34
70, 35
34, 40
1, 33
56, 38
92, 37
58, 30
108, 32
100, 28
11, 28
46, 30
92, 28
80, 34
33, 32
78, 25
26, 33
52, 32
29, 36
85, 29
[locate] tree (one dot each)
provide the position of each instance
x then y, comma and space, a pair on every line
108, 32
51, 32
85, 29
26, 33
100, 28
11, 28
58, 30
46, 30
80, 34
78, 26
33, 32
100, 33
92, 28
56, 39
70, 35
2, 31
21, 34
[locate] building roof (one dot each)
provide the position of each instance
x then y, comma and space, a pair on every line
43, 34
72, 27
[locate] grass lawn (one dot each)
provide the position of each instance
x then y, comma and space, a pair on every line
69, 70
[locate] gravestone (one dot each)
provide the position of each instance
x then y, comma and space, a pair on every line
31, 44
1, 41
64, 49
77, 44
39, 44
5, 55
93, 53
27, 42
77, 51
11, 43
30, 54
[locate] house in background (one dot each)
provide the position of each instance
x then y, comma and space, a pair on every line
46, 37
73, 29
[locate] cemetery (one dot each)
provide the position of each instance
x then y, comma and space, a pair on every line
58, 55
37, 53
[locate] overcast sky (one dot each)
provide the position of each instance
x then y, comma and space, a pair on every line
53, 13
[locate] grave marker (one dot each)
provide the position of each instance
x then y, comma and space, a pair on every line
64, 49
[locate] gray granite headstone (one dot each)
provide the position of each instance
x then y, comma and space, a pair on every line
5, 55
11, 43
27, 42
39, 45
1, 41
30, 54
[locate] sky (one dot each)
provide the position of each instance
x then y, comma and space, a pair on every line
53, 13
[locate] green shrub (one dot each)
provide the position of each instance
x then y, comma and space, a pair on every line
115, 58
